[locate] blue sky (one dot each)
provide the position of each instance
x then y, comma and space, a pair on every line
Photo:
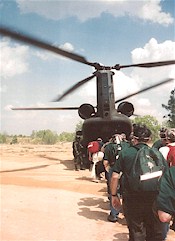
108, 32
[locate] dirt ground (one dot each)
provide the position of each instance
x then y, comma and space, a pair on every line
43, 198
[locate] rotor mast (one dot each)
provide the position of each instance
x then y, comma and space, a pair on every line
105, 93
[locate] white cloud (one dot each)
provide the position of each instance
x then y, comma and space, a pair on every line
43, 55
13, 59
67, 46
152, 11
154, 51
124, 85
151, 52
46, 55
84, 10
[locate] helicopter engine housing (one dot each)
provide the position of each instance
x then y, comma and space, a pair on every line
86, 111
126, 108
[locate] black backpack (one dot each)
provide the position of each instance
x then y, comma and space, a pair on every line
147, 169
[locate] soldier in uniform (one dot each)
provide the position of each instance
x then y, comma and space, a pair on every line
78, 152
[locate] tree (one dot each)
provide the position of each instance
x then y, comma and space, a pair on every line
65, 136
44, 137
3, 138
170, 107
151, 123
14, 140
49, 137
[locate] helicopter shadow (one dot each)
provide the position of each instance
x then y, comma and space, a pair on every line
49, 158
69, 164
24, 169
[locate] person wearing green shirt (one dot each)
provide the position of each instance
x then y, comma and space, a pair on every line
166, 197
142, 223
111, 152
163, 139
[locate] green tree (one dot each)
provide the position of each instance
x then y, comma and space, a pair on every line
44, 137
3, 138
170, 107
49, 137
66, 136
14, 140
151, 123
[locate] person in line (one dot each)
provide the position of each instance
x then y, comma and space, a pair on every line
77, 152
95, 158
137, 206
169, 154
163, 139
166, 198
168, 151
100, 141
99, 167
96, 171
111, 152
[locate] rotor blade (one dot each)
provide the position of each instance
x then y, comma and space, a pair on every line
146, 65
43, 45
45, 108
74, 87
145, 89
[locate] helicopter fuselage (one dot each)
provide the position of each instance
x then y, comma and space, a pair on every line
106, 121
104, 128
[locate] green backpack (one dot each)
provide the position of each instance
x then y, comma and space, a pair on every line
147, 169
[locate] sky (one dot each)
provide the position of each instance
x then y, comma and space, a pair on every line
108, 32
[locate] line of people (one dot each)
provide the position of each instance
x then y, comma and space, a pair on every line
148, 214
141, 209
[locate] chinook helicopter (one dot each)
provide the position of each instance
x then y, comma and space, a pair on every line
102, 120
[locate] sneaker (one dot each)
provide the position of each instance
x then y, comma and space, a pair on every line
112, 219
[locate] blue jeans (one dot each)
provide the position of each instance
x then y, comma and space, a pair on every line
113, 211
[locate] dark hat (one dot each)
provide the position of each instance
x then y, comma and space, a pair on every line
171, 135
162, 133
141, 132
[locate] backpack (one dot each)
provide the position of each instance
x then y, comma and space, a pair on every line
147, 170
171, 155
93, 146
